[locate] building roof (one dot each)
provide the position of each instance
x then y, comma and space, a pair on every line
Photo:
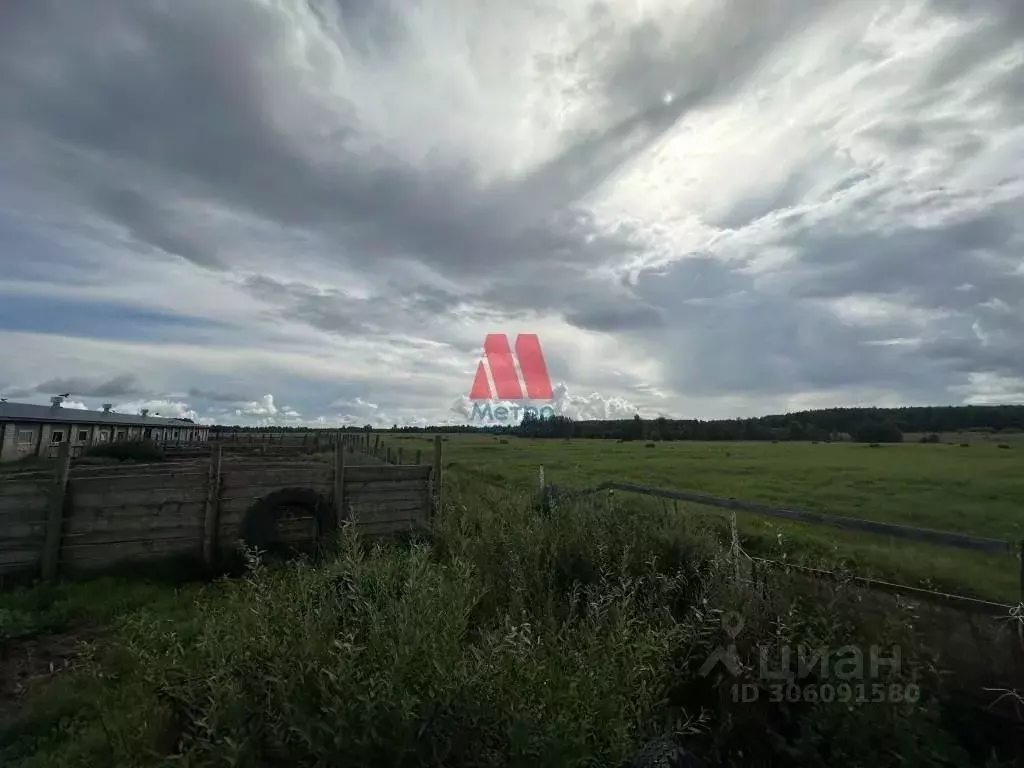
50, 413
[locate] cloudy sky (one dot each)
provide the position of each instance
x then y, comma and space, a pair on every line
303, 210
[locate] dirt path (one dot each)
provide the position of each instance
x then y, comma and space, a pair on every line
28, 663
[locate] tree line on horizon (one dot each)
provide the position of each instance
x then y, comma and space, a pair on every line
871, 425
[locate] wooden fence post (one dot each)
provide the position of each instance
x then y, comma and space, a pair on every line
1021, 554
376, 446
387, 455
211, 518
435, 477
339, 484
400, 451
419, 457
55, 513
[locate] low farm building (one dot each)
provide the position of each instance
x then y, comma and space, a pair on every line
38, 430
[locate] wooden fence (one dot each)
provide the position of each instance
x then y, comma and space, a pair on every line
89, 517
908, 533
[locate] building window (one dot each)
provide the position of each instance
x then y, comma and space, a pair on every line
57, 436
83, 435
26, 437
103, 436
120, 434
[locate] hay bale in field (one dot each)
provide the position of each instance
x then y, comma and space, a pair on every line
649, 445
1004, 446
965, 445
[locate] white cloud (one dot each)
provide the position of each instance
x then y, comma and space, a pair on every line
335, 202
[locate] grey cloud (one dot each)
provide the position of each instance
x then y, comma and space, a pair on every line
729, 333
119, 386
708, 60
928, 263
612, 319
220, 396
128, 106
186, 109
332, 310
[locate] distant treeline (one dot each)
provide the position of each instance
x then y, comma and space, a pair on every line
874, 425
871, 425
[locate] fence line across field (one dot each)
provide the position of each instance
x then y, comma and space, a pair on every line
920, 535
81, 517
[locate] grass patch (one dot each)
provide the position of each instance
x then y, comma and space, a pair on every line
934, 486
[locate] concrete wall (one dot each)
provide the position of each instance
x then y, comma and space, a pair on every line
10, 450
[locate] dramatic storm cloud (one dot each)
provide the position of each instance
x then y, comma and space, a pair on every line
291, 211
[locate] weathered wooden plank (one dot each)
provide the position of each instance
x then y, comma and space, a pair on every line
138, 497
231, 513
244, 498
386, 496
259, 491
129, 519
338, 482
381, 514
124, 483
410, 503
23, 503
89, 471
91, 556
128, 511
131, 535
211, 506
418, 484
385, 472
406, 504
17, 558
25, 487
12, 533
55, 514
234, 479
389, 527
943, 538
436, 475
30, 476
388, 500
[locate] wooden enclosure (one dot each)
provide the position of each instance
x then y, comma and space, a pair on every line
91, 517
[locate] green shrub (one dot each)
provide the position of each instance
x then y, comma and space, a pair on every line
512, 638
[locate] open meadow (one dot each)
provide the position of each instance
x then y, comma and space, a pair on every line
978, 490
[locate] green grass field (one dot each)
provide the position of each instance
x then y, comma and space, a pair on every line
977, 490
514, 637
